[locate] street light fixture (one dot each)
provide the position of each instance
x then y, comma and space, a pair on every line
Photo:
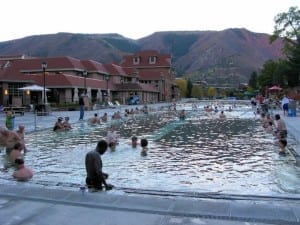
84, 74
44, 67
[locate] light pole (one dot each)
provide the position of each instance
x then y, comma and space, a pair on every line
162, 87
84, 74
122, 82
107, 78
44, 67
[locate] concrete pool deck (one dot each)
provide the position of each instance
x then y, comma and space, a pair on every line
24, 204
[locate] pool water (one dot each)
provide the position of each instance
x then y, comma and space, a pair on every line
199, 154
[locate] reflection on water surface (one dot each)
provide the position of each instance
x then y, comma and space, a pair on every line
197, 154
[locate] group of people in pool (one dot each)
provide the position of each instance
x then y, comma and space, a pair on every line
95, 177
13, 141
278, 128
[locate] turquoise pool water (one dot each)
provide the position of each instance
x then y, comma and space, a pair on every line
199, 154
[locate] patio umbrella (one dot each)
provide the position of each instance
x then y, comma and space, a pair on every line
275, 88
33, 88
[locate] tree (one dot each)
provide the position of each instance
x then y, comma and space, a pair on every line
265, 77
211, 92
189, 88
287, 26
253, 80
182, 84
197, 91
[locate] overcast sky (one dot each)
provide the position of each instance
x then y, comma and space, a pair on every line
136, 18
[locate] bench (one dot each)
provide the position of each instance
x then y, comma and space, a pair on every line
15, 109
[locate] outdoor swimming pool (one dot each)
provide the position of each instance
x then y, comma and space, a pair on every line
199, 154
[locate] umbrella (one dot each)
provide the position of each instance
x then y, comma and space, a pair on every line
34, 88
275, 88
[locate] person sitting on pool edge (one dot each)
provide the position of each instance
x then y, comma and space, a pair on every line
144, 145
93, 163
22, 173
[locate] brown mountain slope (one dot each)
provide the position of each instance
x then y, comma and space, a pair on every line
211, 55
214, 56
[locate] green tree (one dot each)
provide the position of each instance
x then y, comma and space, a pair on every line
182, 84
189, 88
211, 92
265, 77
197, 92
287, 26
253, 80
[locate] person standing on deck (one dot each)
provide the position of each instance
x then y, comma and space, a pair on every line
81, 105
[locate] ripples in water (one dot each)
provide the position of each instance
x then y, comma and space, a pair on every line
197, 154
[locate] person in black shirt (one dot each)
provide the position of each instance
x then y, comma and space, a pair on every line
81, 104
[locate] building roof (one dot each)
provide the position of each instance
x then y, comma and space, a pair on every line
114, 69
162, 60
65, 81
93, 66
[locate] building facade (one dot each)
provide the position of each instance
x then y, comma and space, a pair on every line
66, 78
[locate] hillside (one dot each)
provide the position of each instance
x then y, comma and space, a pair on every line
214, 56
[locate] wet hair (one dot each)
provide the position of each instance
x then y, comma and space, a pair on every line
101, 147
18, 145
60, 119
283, 142
19, 161
134, 138
95, 114
144, 142
277, 117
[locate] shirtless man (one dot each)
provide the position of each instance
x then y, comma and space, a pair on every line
9, 139
281, 130
22, 173
15, 153
21, 133
94, 120
67, 124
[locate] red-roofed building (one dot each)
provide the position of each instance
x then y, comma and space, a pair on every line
67, 78
155, 69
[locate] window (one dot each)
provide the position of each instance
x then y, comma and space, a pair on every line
152, 59
136, 60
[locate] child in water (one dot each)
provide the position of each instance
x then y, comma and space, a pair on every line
10, 120
144, 144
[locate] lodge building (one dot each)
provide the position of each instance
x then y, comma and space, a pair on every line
141, 78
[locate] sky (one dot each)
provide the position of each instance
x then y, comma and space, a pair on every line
136, 18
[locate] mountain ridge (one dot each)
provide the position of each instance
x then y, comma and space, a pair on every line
230, 55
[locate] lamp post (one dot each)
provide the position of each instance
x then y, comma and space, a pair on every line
107, 78
122, 82
162, 87
44, 67
84, 74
